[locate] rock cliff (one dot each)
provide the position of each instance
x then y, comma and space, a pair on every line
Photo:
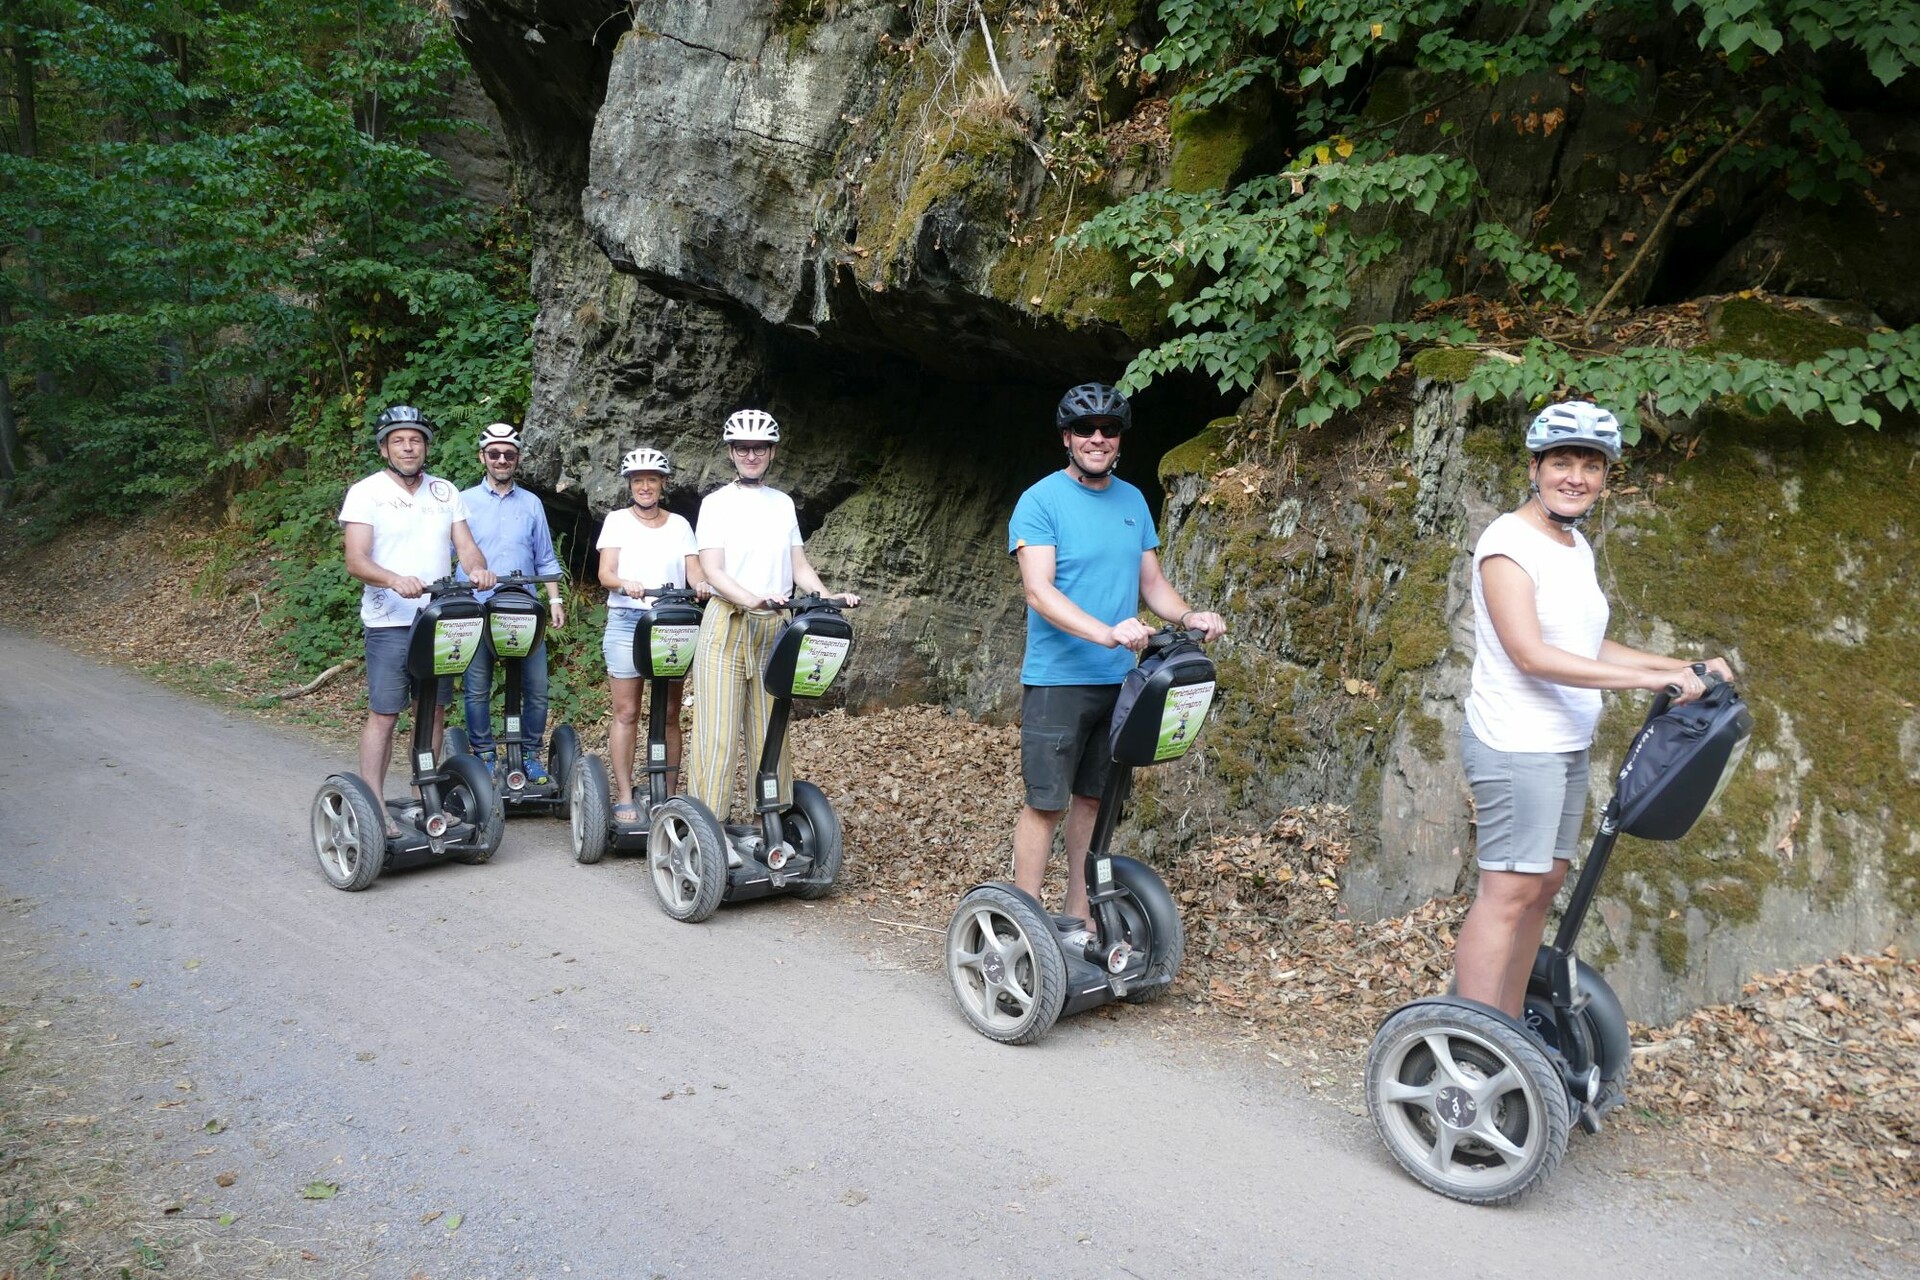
841, 210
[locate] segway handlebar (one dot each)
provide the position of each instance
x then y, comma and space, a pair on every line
519, 579
800, 604
1664, 699
448, 586
1168, 636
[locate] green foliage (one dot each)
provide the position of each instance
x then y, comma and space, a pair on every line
232, 250
1275, 260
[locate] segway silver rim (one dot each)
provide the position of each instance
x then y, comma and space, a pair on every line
1468, 1105
1006, 987
674, 856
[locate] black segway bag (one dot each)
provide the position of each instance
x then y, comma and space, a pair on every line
1679, 763
808, 654
1162, 703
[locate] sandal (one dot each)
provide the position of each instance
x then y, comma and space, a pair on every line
630, 809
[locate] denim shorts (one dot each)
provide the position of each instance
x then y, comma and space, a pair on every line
1527, 804
1063, 741
389, 688
616, 646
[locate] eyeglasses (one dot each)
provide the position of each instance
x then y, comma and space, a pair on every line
500, 455
1106, 430
752, 450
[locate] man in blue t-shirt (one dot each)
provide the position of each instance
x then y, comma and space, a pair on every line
510, 524
1085, 541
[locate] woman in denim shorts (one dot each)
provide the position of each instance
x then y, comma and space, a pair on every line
1541, 659
643, 546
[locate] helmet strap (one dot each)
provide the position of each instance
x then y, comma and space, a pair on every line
1082, 474
407, 478
1565, 522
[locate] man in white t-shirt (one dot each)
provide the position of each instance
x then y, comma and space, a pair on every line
401, 527
752, 554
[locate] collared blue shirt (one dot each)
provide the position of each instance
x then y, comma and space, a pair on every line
511, 529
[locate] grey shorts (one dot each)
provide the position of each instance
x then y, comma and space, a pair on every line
389, 690
1527, 804
1063, 741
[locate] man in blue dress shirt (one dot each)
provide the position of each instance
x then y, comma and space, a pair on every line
510, 524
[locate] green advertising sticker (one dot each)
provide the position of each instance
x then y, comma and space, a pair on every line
1180, 719
513, 633
818, 663
454, 643
672, 649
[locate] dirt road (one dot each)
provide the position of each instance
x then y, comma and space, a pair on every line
525, 1069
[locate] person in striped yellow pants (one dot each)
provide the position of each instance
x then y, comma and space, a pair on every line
750, 547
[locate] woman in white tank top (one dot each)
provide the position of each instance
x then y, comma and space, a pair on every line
1541, 659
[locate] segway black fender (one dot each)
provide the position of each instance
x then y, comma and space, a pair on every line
1613, 1047
1150, 891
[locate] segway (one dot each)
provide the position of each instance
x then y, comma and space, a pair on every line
697, 862
663, 646
1476, 1105
516, 623
1013, 973
458, 814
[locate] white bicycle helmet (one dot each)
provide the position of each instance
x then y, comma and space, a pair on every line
1575, 423
645, 459
501, 433
751, 425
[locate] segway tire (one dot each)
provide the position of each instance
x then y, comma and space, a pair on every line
588, 802
470, 797
1005, 966
687, 854
1467, 1102
563, 755
816, 833
1152, 920
349, 832
454, 742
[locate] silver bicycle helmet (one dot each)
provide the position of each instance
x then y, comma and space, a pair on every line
400, 415
1575, 424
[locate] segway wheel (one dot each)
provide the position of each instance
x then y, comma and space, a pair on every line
687, 850
1005, 966
1466, 1102
588, 802
455, 743
816, 833
470, 797
1152, 921
563, 754
349, 832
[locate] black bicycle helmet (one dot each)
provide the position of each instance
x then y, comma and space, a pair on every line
400, 415
1093, 400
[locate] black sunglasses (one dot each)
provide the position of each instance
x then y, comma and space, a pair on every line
751, 450
1106, 430
499, 455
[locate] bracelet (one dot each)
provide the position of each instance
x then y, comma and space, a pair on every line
1183, 618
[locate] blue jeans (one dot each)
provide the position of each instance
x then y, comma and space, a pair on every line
533, 699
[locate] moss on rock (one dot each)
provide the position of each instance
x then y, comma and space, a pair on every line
1784, 543
1764, 330
1210, 146
1199, 456
1446, 364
